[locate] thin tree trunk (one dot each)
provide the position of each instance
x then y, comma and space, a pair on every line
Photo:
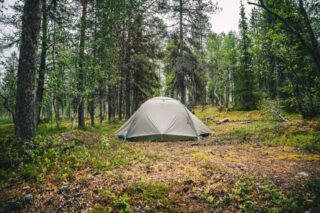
42, 70
81, 74
181, 76
26, 119
120, 94
91, 104
128, 78
56, 111
101, 117
91, 109
128, 95
227, 90
111, 110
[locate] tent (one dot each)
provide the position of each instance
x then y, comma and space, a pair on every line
163, 119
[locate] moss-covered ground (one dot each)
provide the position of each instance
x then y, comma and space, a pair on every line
252, 163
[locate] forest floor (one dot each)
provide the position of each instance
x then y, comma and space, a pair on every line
250, 164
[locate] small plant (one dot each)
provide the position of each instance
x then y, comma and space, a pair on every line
104, 141
151, 190
245, 195
121, 204
117, 204
273, 108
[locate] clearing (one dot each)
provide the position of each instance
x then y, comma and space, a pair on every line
251, 163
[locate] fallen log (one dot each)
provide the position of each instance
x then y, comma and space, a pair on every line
223, 121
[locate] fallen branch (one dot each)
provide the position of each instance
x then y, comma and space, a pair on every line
223, 121
281, 118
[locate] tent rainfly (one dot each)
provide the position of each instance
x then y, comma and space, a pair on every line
163, 119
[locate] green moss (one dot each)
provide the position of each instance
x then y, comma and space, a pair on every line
150, 190
310, 142
113, 203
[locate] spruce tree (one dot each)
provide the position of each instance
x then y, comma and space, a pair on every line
245, 98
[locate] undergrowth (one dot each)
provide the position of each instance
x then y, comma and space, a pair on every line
57, 154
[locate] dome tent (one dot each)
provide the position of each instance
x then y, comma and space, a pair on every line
162, 119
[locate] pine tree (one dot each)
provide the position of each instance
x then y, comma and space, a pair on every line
26, 119
245, 97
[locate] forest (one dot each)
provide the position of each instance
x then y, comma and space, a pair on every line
76, 70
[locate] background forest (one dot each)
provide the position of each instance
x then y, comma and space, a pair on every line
107, 57
80, 68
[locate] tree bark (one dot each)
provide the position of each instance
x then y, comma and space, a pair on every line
91, 104
56, 109
128, 94
120, 94
91, 109
128, 77
26, 121
81, 74
181, 77
111, 105
101, 112
42, 69
312, 36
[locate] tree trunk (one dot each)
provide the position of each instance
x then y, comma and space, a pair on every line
26, 119
227, 90
56, 111
42, 69
91, 104
128, 77
128, 94
315, 51
111, 107
91, 109
120, 96
81, 74
101, 114
74, 109
181, 78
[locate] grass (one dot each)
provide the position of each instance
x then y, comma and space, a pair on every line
254, 126
169, 177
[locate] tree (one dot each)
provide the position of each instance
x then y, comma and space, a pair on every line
245, 97
291, 52
305, 35
25, 120
42, 69
8, 85
81, 75
222, 64
191, 19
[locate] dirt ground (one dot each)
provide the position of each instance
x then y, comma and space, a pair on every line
186, 168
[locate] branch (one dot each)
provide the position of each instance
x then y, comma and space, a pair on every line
285, 22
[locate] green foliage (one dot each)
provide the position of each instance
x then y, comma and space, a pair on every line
152, 190
222, 59
246, 97
8, 85
310, 142
116, 204
314, 186
272, 107
250, 195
